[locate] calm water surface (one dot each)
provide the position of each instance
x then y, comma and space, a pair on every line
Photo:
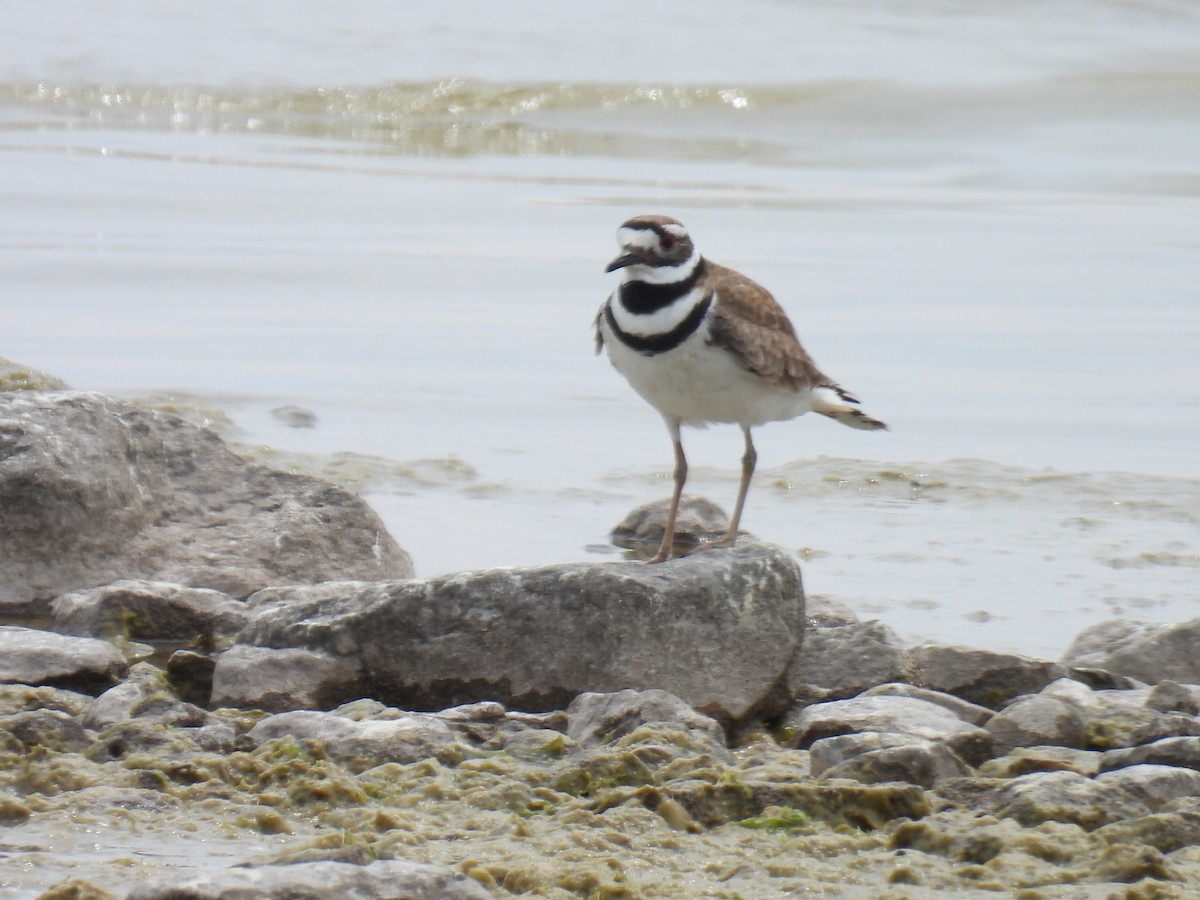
985, 222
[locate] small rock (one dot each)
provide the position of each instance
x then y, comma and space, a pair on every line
285, 679
1170, 696
149, 611
1066, 797
1173, 751
33, 657
191, 675
47, 728
1165, 832
361, 745
894, 715
21, 697
698, 519
1024, 760
842, 661
1036, 720
295, 416
597, 719
381, 880
971, 713
1154, 785
981, 676
873, 757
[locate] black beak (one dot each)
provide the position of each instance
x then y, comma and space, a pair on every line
625, 259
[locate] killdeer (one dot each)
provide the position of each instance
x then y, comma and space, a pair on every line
702, 344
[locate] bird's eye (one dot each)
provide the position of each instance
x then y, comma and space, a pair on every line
666, 242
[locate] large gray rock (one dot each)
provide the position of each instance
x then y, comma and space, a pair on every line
93, 490
1149, 653
29, 656
382, 880
719, 630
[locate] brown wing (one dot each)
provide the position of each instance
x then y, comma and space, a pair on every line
754, 328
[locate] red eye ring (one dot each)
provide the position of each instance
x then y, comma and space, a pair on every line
666, 241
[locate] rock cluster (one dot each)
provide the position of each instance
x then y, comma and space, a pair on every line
587, 729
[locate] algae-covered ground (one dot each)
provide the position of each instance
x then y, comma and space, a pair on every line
521, 808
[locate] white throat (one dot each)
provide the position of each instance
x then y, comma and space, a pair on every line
662, 274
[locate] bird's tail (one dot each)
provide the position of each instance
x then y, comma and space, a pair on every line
838, 403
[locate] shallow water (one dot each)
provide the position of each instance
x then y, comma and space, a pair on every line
985, 222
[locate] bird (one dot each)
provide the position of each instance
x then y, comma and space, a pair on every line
703, 344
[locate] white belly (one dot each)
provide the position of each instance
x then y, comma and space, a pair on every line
698, 384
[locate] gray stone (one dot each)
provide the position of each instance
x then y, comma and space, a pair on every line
1024, 760
1149, 653
47, 728
93, 490
280, 680
971, 713
362, 744
1118, 718
29, 656
1066, 797
1154, 785
135, 736
117, 703
149, 611
1036, 720
893, 715
1166, 832
923, 763
597, 719
1172, 751
698, 519
381, 880
1170, 696
981, 676
718, 630
21, 697
841, 661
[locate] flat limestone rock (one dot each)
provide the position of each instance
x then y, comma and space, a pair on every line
93, 490
29, 656
719, 630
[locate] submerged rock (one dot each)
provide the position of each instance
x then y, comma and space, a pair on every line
93, 490
718, 629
